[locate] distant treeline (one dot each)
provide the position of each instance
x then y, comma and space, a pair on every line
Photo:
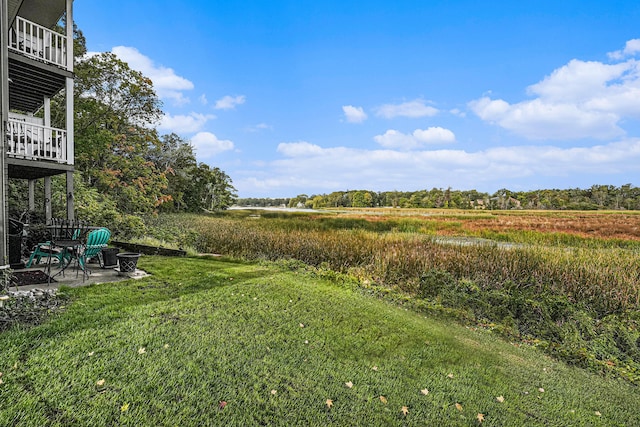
625, 197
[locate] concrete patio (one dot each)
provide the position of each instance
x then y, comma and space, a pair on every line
71, 279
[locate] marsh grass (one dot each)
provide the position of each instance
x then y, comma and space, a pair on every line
557, 239
602, 277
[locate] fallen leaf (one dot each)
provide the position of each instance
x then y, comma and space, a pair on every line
374, 368
458, 407
91, 353
125, 407
166, 346
306, 341
100, 382
450, 375
480, 417
329, 403
302, 325
383, 399
541, 390
598, 414
424, 391
349, 384
500, 399
274, 392
222, 404
405, 410
142, 350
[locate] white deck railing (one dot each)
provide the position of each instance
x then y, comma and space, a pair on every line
38, 42
36, 142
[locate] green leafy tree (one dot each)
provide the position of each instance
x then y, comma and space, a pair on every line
220, 192
174, 156
115, 110
319, 202
299, 199
123, 168
358, 200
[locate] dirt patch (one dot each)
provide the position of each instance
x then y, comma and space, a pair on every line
34, 277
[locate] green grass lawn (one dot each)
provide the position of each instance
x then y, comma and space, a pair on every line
217, 342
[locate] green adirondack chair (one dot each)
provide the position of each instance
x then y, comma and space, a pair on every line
46, 249
43, 250
96, 241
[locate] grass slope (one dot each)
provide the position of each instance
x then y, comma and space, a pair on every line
275, 347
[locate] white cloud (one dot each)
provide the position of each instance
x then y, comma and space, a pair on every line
412, 109
185, 123
583, 99
539, 120
229, 102
433, 135
354, 114
630, 49
167, 84
395, 139
259, 127
580, 81
299, 149
208, 145
203, 99
308, 167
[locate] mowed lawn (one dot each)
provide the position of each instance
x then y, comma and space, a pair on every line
206, 342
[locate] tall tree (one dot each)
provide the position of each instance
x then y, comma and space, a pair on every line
174, 157
220, 192
211, 190
115, 111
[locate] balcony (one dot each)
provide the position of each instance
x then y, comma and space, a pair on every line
39, 43
34, 141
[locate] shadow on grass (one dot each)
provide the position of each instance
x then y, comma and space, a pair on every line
170, 279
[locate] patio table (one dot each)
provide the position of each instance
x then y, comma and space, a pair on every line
66, 245
72, 240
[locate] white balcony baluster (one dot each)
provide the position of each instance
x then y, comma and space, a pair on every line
36, 142
38, 42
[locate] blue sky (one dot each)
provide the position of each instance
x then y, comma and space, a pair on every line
292, 97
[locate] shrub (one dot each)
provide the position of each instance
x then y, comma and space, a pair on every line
5, 280
433, 282
29, 307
